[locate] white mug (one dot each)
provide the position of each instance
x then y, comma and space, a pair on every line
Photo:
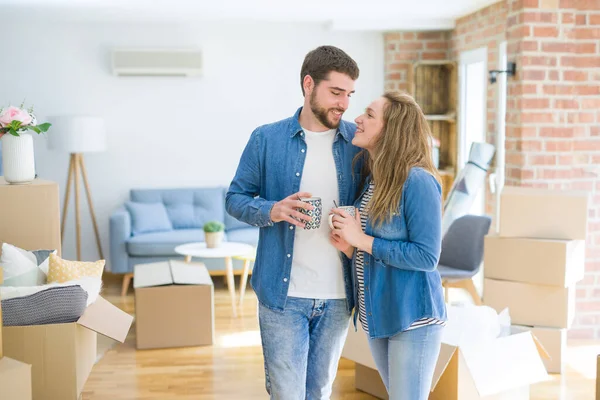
349, 209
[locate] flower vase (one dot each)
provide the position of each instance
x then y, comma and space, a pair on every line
18, 160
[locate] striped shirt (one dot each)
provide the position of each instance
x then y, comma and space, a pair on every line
360, 260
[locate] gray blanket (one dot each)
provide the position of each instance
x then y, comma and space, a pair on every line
56, 305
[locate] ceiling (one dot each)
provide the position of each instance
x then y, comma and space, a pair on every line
355, 15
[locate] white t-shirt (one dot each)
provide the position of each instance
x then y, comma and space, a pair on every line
316, 265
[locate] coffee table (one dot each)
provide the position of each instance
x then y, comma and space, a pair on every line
226, 250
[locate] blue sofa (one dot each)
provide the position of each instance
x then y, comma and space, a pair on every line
187, 210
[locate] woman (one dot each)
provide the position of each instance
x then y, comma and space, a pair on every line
394, 242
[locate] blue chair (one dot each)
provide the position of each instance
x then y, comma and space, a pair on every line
462, 253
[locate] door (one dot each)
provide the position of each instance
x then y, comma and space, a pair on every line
473, 111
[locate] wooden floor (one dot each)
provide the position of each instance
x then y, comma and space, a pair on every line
233, 367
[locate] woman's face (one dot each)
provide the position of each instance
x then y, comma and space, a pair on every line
369, 125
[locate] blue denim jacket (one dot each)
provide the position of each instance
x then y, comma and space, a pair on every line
270, 170
401, 280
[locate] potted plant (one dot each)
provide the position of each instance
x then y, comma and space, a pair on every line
18, 160
213, 234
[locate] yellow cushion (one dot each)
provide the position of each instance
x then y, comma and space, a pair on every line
60, 270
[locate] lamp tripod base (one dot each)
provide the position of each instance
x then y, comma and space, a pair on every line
77, 168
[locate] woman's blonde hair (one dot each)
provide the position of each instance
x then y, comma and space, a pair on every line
404, 143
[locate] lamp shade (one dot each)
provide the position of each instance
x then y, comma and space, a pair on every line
77, 134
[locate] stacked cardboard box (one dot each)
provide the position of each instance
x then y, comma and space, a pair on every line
60, 357
534, 263
30, 215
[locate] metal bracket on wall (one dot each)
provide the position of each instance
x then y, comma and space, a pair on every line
511, 70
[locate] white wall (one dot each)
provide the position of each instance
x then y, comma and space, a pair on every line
166, 132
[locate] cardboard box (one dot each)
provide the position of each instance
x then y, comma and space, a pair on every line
369, 381
15, 376
1, 281
15, 380
502, 369
62, 355
554, 341
598, 378
30, 215
174, 305
543, 214
356, 347
537, 261
534, 305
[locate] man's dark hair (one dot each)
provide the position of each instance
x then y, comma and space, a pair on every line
319, 62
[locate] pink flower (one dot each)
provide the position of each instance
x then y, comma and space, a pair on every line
14, 114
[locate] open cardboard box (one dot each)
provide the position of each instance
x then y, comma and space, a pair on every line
15, 380
15, 376
62, 355
174, 305
501, 369
554, 341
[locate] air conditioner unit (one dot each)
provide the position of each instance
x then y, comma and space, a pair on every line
140, 62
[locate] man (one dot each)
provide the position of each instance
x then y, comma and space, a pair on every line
303, 284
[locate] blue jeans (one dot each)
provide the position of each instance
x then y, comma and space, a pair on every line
302, 346
407, 360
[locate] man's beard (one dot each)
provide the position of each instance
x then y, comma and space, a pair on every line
321, 113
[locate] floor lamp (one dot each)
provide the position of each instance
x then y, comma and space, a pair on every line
77, 135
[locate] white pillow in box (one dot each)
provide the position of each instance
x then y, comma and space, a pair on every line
21, 266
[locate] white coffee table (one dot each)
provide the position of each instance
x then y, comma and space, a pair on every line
226, 250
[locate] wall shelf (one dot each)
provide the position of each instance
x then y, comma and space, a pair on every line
434, 84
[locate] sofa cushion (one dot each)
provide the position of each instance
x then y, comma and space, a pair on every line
162, 243
245, 235
186, 208
148, 217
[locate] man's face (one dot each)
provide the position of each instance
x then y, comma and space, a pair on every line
330, 99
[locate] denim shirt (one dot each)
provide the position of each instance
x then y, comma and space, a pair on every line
401, 281
270, 170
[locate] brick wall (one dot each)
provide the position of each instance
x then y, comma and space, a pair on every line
553, 104
553, 114
486, 27
404, 48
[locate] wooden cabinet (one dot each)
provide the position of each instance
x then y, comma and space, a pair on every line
433, 84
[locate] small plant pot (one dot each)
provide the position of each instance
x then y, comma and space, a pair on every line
213, 239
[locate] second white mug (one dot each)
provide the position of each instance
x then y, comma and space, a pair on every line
349, 209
